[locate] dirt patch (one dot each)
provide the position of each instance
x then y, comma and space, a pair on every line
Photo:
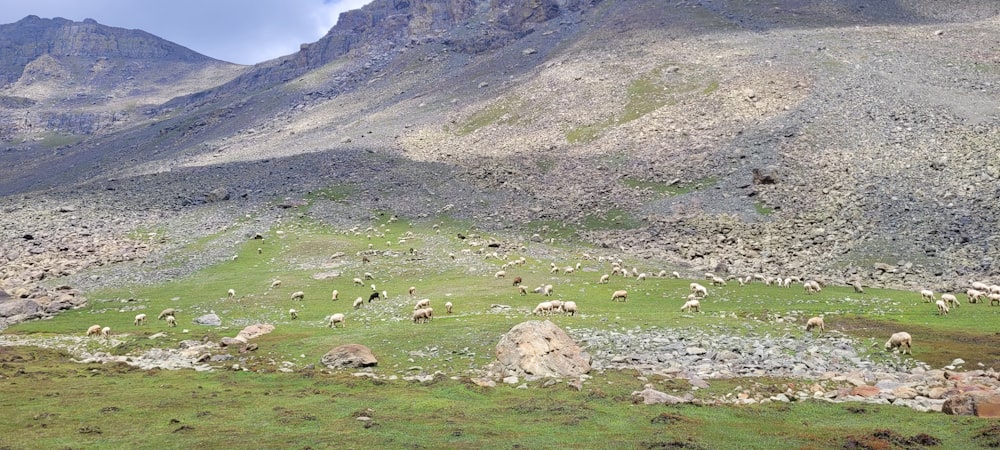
667, 419
888, 439
989, 437
974, 348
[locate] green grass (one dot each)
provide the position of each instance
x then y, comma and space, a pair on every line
53, 402
506, 113
763, 209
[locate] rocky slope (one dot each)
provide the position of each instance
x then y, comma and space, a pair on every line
834, 139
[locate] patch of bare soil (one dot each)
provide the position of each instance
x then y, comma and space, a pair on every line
888, 439
974, 348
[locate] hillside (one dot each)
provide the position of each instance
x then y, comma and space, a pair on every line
831, 139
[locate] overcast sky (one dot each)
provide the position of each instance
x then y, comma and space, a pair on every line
239, 31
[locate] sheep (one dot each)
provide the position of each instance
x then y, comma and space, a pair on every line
140, 319
547, 290
927, 295
542, 308
335, 295
556, 305
641, 277
447, 307
369, 276
698, 289
950, 300
169, 312
979, 286
675, 274
623, 295
232, 293
902, 341
500, 274
422, 304
358, 282
373, 296
569, 307
275, 284
568, 269
718, 281
423, 315
298, 295
358, 302
994, 299
335, 319
942, 307
94, 330
691, 306
975, 295
857, 287
171, 321
994, 288
106, 333
815, 322
811, 286
517, 281
604, 279
411, 290
293, 313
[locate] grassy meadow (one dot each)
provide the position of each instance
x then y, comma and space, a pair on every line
279, 396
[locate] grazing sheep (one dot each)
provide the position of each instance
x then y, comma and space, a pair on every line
500, 274
171, 321
902, 341
359, 282
542, 308
335, 295
94, 330
675, 274
358, 302
293, 314
369, 276
811, 286
260, 250
556, 305
422, 304
623, 295
447, 307
569, 307
106, 332
547, 290
927, 295
857, 287
641, 277
423, 315
994, 299
517, 281
950, 300
275, 284
698, 289
232, 293
975, 295
718, 281
169, 312
335, 319
568, 269
980, 286
994, 288
373, 296
815, 322
604, 279
140, 319
411, 290
691, 306
522, 290
942, 307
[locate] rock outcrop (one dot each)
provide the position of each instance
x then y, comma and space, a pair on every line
537, 349
349, 356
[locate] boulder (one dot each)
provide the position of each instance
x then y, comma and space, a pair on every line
347, 356
20, 306
255, 330
538, 349
650, 396
209, 319
974, 403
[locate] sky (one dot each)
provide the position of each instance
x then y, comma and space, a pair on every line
238, 31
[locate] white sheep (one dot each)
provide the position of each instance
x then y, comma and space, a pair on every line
335, 319
994, 299
604, 279
500, 274
412, 290
522, 289
718, 281
423, 315
547, 290
358, 302
94, 330
422, 304
815, 322
171, 321
335, 295
568, 269
569, 307
691, 306
698, 289
556, 305
902, 341
675, 274
975, 295
106, 332
950, 300
169, 312
542, 308
275, 284
293, 313
298, 295
979, 286
942, 307
359, 282
622, 295
994, 288
447, 307
369, 276
140, 319
927, 295
231, 293
811, 286
641, 277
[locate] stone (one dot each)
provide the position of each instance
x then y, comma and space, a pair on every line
974, 403
865, 391
349, 356
208, 319
255, 330
539, 349
21, 306
650, 396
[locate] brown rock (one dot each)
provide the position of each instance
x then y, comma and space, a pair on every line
974, 403
865, 391
255, 330
349, 355
540, 349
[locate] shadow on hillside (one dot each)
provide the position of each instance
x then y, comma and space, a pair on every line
932, 346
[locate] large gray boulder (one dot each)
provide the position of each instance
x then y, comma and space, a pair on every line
347, 356
537, 349
209, 319
21, 306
